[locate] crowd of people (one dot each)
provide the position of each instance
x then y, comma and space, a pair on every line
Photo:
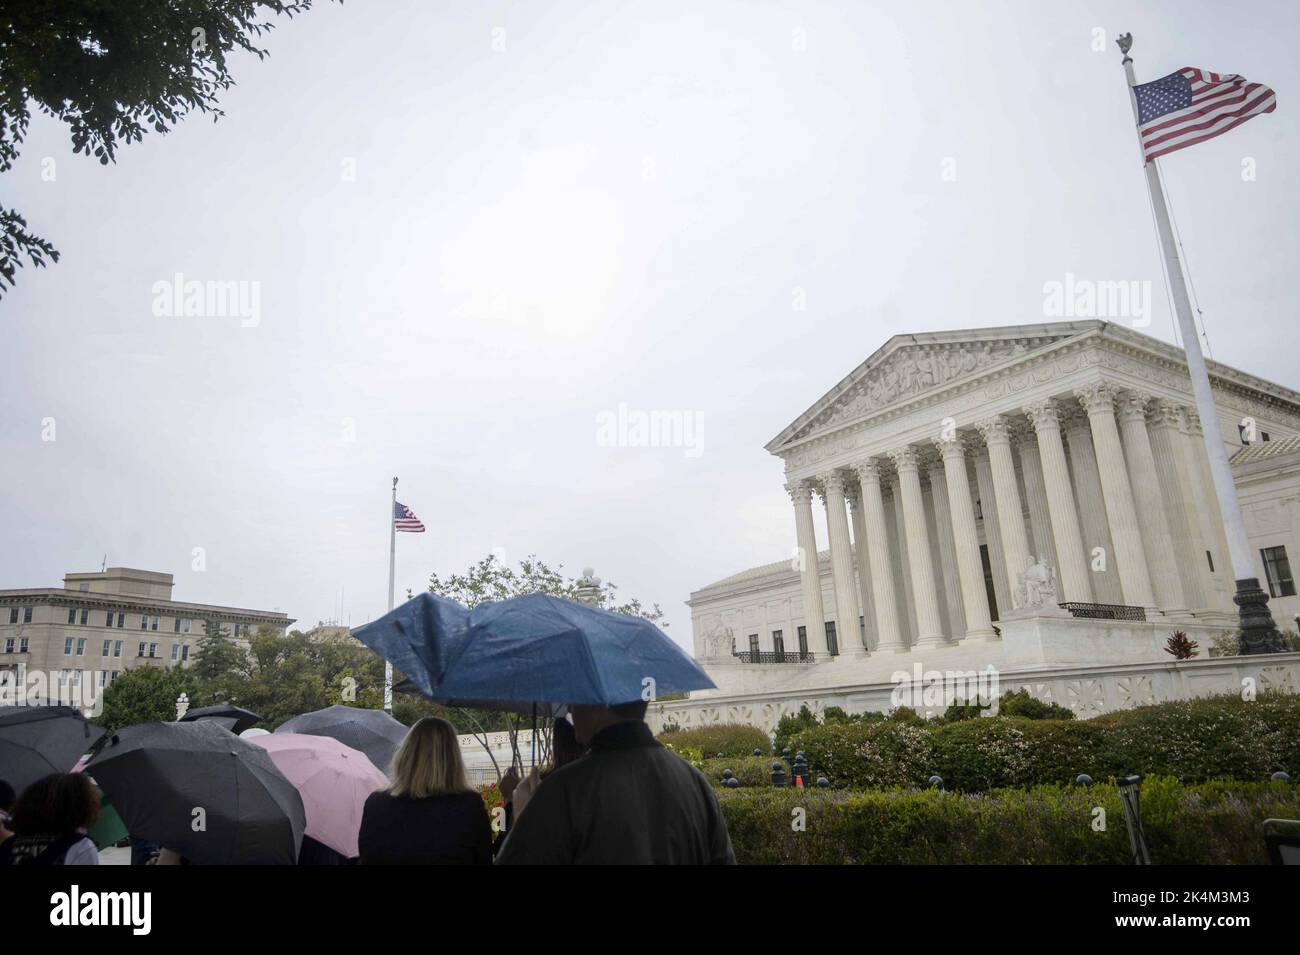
611, 794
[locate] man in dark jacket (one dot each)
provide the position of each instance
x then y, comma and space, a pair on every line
628, 802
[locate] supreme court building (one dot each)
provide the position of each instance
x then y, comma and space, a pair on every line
1034, 499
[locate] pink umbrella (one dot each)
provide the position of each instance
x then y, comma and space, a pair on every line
333, 780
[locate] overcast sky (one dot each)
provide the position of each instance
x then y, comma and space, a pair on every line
465, 254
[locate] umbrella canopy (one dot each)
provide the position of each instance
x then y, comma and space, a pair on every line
333, 781
234, 718
419, 637
164, 779
549, 650
38, 740
373, 732
548, 710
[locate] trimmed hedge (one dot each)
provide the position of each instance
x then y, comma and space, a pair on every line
1209, 823
750, 770
727, 739
1192, 740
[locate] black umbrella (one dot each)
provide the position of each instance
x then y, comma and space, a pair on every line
202, 791
234, 718
373, 732
38, 740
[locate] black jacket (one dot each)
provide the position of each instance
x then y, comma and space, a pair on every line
440, 830
628, 802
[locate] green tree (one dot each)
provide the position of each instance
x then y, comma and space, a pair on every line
145, 694
111, 72
219, 664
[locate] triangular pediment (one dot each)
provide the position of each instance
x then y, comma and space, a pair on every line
908, 367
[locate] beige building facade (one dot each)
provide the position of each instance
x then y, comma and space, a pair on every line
100, 624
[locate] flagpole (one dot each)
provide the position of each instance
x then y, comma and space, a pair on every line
1258, 632
392, 569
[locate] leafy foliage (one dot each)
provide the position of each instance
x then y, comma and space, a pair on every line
1046, 825
111, 72
1181, 647
144, 695
721, 740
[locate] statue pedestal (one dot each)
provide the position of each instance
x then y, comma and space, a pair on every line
1050, 636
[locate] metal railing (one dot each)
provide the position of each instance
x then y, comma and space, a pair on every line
774, 656
1105, 611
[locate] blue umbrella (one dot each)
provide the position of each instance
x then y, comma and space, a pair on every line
418, 637
543, 649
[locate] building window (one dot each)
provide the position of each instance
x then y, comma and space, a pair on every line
153, 649
121, 619
1278, 569
778, 644
114, 676
802, 634
76, 677
117, 649
22, 644
9, 645
13, 614
141, 653
84, 588
108, 648
185, 652
753, 643
156, 621
103, 678
72, 615
67, 646
85, 616
108, 618
27, 615
177, 625
832, 644
176, 652
81, 647
144, 621
186, 624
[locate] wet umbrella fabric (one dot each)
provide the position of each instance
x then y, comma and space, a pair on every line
333, 781
419, 637
200, 790
234, 718
550, 650
36, 741
373, 732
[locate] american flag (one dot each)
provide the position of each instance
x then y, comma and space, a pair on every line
1191, 106
404, 519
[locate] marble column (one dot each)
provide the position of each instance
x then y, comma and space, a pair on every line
1091, 505
1040, 517
929, 629
988, 512
971, 571
862, 561
1176, 490
1098, 401
814, 614
1145, 479
1006, 492
1076, 584
882, 584
898, 549
846, 601
947, 550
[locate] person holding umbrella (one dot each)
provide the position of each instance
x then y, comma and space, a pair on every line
429, 815
629, 801
50, 822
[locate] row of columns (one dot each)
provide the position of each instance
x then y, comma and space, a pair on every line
1122, 519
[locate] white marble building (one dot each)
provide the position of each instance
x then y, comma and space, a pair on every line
949, 463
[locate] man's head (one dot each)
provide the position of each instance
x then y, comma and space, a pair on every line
590, 720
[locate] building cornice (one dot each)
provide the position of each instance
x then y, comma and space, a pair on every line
59, 597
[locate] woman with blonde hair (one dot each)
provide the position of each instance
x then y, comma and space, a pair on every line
429, 815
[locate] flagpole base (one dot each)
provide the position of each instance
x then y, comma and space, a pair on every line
1259, 634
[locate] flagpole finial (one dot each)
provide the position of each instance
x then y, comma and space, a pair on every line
394, 482
1125, 43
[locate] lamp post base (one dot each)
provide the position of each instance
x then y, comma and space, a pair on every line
1258, 632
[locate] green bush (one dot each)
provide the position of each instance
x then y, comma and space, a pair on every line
790, 726
727, 739
1045, 825
750, 770
1192, 740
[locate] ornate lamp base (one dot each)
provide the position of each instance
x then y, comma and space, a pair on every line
1258, 632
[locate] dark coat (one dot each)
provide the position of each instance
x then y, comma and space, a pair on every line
440, 830
628, 802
